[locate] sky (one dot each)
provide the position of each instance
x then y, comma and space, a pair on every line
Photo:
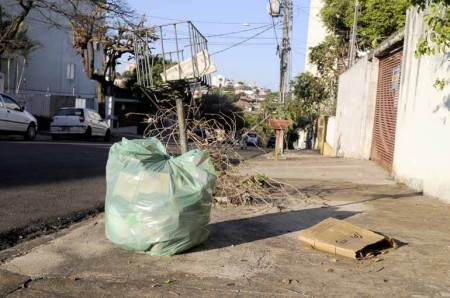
255, 61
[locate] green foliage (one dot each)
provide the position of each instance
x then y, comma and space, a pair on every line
309, 93
259, 123
437, 34
439, 84
423, 3
212, 105
228, 88
258, 180
337, 16
130, 78
377, 20
330, 58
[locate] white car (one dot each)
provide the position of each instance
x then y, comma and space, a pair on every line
253, 139
81, 122
15, 120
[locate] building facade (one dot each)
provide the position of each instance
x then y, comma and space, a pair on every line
53, 68
316, 32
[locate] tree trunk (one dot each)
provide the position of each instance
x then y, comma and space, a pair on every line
14, 27
101, 92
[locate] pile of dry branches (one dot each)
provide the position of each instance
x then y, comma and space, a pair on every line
218, 135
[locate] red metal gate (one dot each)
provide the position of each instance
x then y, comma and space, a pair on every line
383, 141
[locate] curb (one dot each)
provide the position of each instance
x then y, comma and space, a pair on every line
46, 226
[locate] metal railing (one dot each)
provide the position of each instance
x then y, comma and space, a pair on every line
172, 52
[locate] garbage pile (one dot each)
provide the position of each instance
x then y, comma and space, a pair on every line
156, 203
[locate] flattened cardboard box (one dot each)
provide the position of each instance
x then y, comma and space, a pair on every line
342, 238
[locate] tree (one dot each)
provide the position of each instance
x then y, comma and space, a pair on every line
423, 3
437, 34
378, 19
12, 33
310, 93
330, 58
14, 41
107, 23
92, 22
228, 88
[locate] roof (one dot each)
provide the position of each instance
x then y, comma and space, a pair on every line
279, 124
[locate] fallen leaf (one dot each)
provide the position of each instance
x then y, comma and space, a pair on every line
75, 278
174, 293
375, 260
333, 259
286, 281
169, 281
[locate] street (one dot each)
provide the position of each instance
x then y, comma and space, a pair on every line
46, 185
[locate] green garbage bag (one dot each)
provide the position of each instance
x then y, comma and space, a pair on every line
156, 203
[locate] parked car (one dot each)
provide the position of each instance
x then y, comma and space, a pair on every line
80, 122
15, 120
271, 142
253, 139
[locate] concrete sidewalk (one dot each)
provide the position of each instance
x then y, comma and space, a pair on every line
254, 251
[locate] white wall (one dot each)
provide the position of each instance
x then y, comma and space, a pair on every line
316, 31
422, 148
355, 110
331, 129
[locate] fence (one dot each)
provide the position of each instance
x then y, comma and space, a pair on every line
47, 105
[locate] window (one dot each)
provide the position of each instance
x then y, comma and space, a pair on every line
70, 71
97, 116
70, 112
10, 103
97, 46
93, 115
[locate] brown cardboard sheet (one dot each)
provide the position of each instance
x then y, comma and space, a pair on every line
342, 238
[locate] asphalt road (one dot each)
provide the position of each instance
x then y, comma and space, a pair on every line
47, 185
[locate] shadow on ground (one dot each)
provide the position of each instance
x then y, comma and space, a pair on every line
245, 230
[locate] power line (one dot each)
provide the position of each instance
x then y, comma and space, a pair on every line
308, 14
250, 44
235, 45
275, 30
234, 32
208, 22
244, 37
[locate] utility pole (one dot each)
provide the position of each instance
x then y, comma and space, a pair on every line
284, 55
285, 49
351, 58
